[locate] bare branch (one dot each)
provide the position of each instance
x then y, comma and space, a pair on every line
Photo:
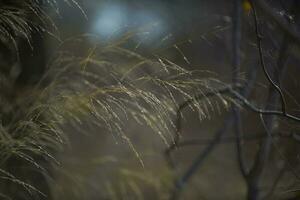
262, 61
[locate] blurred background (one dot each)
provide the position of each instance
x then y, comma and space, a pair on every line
195, 35
192, 34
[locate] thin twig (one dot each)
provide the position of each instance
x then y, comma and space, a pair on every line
181, 182
275, 183
242, 97
261, 58
265, 148
247, 104
184, 105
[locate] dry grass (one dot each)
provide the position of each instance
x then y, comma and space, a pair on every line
106, 85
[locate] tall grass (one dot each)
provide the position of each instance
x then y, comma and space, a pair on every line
100, 84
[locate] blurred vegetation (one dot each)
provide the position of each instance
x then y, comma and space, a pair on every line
123, 96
